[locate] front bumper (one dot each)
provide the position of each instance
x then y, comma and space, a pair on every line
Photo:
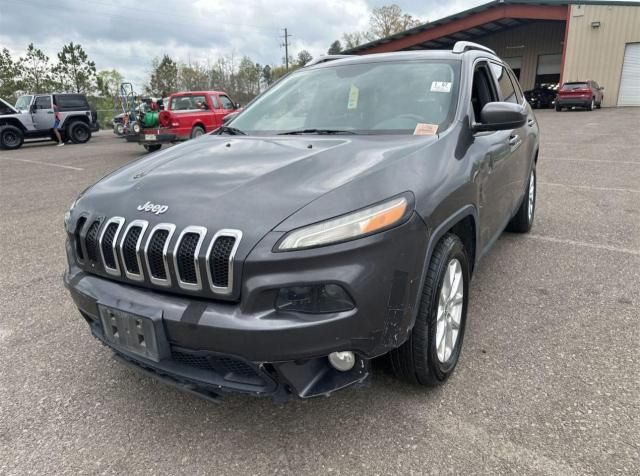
284, 351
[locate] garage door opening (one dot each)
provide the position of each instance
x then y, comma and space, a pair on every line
629, 94
548, 71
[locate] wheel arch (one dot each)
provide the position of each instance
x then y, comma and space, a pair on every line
464, 224
199, 123
76, 117
12, 121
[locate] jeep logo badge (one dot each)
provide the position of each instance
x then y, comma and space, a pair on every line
150, 207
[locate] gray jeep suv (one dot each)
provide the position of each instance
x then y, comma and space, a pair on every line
33, 118
338, 218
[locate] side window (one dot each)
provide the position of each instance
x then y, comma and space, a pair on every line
516, 84
214, 101
226, 102
72, 102
199, 102
43, 102
482, 91
507, 91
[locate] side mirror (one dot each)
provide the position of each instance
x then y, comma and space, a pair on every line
238, 106
500, 116
601, 88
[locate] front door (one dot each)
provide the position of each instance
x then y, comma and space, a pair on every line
42, 113
491, 150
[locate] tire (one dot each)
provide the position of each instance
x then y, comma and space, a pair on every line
78, 132
522, 222
152, 147
591, 106
197, 131
418, 360
558, 107
11, 137
599, 105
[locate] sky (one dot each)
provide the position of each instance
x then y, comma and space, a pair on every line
127, 35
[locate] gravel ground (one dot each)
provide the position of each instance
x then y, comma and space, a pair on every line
548, 382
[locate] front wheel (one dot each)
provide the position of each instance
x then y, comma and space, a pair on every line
523, 219
558, 107
10, 137
431, 353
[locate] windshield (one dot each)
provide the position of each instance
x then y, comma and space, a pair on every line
371, 98
23, 102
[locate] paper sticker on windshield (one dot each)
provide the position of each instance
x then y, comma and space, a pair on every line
425, 129
441, 87
354, 93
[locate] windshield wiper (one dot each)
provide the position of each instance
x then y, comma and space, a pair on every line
316, 131
234, 131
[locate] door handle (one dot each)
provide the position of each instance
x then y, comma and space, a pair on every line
531, 122
49, 112
514, 139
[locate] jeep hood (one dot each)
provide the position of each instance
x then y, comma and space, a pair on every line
8, 106
246, 183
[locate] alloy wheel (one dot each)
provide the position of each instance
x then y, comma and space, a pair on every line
449, 311
532, 195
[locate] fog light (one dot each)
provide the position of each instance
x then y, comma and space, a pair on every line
315, 299
342, 361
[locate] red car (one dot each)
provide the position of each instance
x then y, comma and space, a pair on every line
187, 115
585, 94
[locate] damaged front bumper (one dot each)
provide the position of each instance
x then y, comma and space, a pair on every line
210, 347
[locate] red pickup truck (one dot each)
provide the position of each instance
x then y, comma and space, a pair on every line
186, 115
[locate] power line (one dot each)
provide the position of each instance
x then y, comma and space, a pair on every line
286, 48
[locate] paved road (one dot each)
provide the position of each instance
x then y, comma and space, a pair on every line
548, 382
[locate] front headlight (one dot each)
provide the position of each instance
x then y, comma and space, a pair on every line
347, 227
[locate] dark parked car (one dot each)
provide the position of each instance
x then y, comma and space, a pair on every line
542, 96
586, 94
334, 220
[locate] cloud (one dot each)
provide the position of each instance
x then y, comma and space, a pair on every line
127, 35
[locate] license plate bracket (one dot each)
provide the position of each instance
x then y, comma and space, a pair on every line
133, 333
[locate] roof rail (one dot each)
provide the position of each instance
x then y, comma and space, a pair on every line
462, 46
325, 58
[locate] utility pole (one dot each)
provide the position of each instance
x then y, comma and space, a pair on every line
286, 48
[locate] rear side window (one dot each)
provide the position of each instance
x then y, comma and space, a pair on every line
572, 86
43, 102
72, 102
505, 86
189, 103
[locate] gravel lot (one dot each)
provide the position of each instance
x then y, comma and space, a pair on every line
548, 381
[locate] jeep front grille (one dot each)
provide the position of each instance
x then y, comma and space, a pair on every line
126, 250
91, 241
77, 238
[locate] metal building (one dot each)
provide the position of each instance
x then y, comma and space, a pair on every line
544, 41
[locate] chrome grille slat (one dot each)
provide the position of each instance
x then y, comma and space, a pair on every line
155, 279
156, 253
214, 285
119, 222
142, 225
201, 232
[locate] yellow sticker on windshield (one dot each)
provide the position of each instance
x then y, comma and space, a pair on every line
354, 93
